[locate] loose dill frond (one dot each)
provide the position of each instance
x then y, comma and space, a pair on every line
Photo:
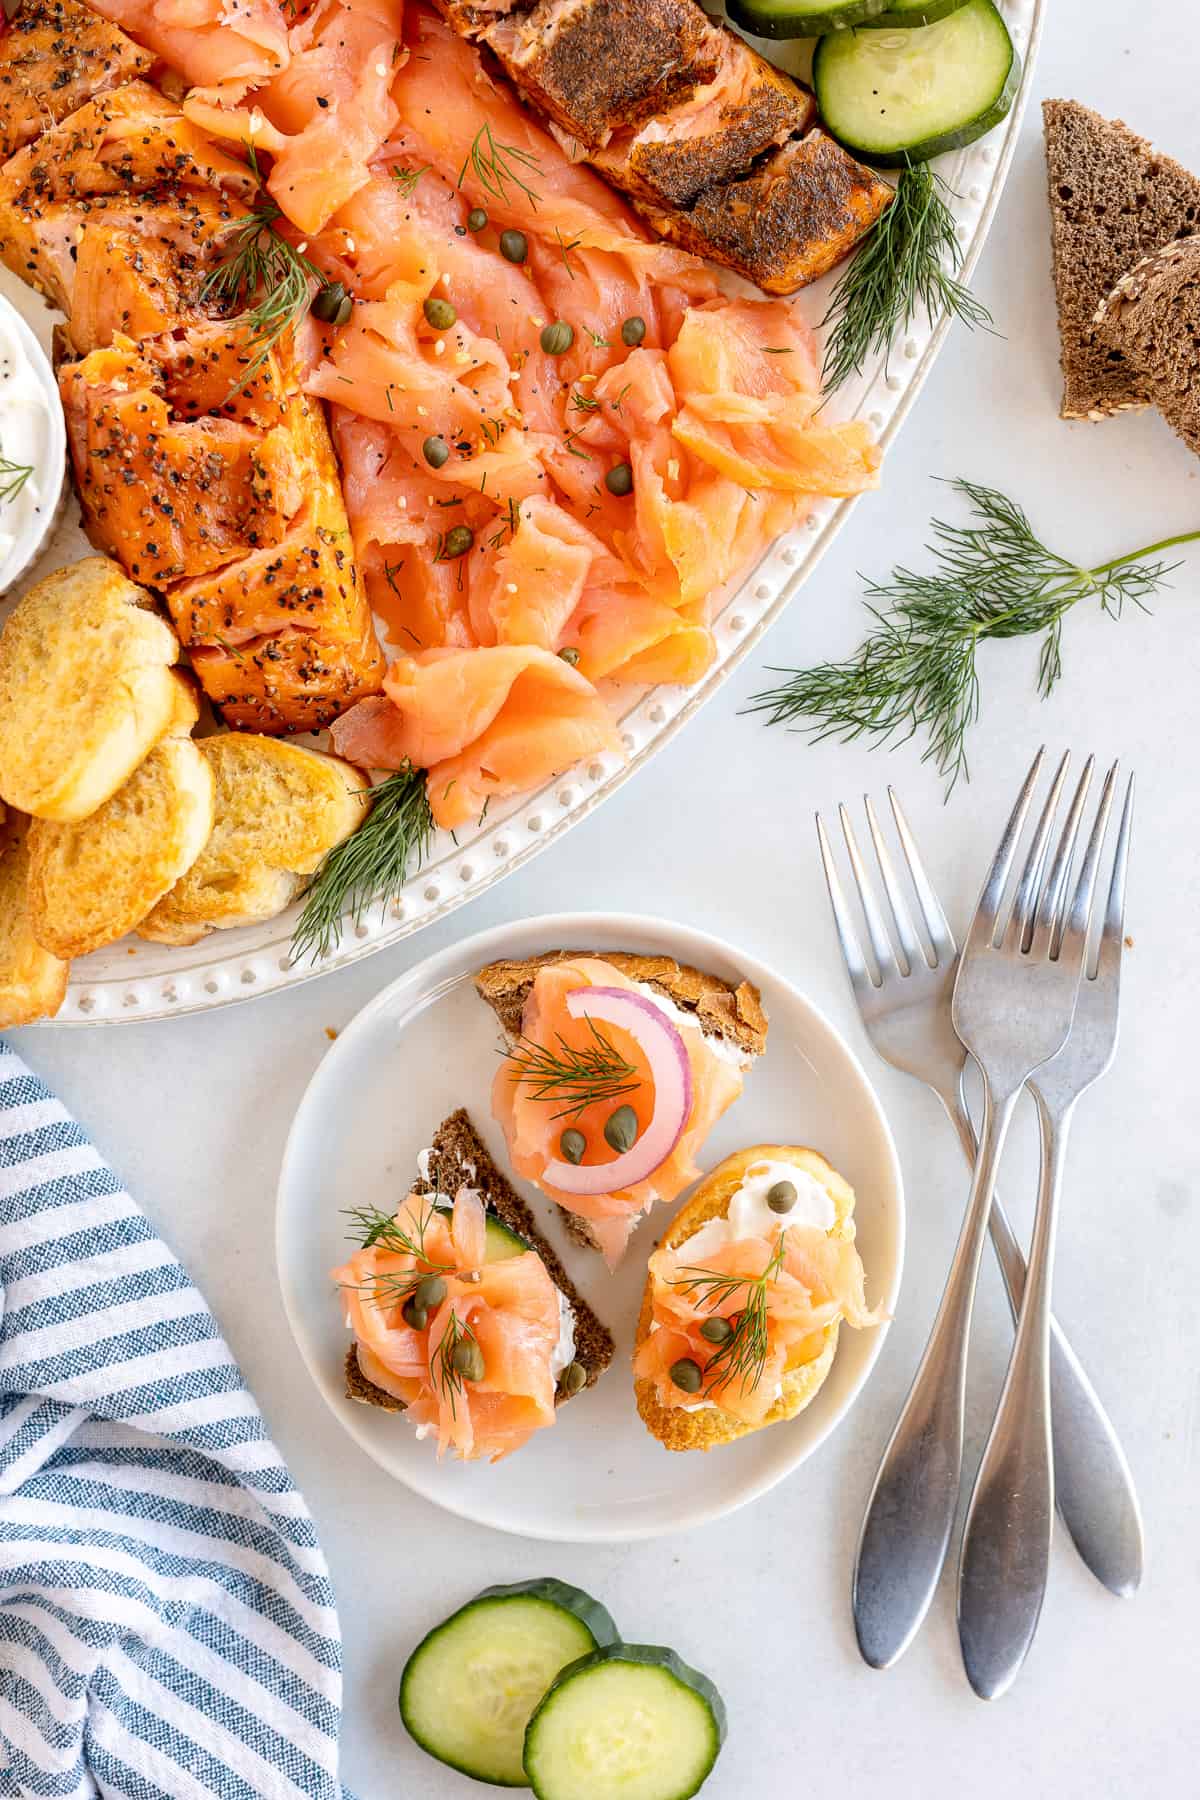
13, 476
260, 271
743, 1355
370, 1227
916, 668
407, 179
907, 263
497, 166
370, 865
584, 403
577, 1077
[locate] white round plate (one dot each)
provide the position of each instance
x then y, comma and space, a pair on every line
159, 981
427, 1045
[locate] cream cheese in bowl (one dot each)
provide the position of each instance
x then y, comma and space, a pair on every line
33, 447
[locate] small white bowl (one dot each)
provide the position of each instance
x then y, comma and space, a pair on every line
50, 458
426, 1045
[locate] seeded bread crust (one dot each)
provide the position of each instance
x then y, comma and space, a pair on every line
1113, 200
734, 1014
1152, 318
460, 1156
708, 1428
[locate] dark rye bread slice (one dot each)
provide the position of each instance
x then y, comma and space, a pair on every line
458, 1157
1152, 317
1113, 200
732, 1013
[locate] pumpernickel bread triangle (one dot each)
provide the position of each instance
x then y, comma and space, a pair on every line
457, 1157
1152, 317
1113, 200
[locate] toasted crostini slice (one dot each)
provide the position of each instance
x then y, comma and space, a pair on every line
278, 810
33, 984
86, 690
92, 882
744, 1298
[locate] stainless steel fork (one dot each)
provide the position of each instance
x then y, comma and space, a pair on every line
1006, 1541
906, 1011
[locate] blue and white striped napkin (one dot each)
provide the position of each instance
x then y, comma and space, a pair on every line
167, 1626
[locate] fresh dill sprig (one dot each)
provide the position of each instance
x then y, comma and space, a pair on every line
442, 1365
743, 1355
371, 1227
908, 262
13, 476
577, 1077
263, 274
372, 864
407, 179
495, 166
916, 668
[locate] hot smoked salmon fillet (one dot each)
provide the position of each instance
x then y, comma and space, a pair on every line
88, 57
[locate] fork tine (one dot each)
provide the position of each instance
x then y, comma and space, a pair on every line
1075, 931
1112, 937
901, 917
856, 968
881, 944
1020, 924
1047, 932
983, 925
936, 923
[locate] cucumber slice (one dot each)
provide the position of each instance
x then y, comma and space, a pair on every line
906, 14
500, 1240
628, 1722
469, 1687
801, 18
903, 96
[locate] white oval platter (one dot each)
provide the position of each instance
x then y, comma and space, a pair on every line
597, 1476
107, 986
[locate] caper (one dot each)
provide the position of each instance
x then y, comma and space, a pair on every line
332, 304
440, 313
573, 1144
429, 1292
436, 451
514, 246
633, 331
686, 1375
572, 1379
458, 541
476, 219
782, 1197
557, 338
619, 480
570, 654
622, 1129
414, 1315
467, 1360
717, 1331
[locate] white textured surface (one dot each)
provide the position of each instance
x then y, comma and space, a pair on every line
718, 831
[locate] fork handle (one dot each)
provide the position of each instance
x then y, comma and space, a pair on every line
1093, 1482
1005, 1559
910, 1514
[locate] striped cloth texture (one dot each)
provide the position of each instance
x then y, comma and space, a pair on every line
167, 1625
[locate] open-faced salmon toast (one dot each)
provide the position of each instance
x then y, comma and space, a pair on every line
618, 1067
744, 1296
464, 1318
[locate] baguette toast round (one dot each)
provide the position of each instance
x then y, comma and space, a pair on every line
709, 1426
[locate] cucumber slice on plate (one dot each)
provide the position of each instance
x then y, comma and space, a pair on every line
499, 1240
907, 14
469, 1687
903, 96
628, 1722
801, 18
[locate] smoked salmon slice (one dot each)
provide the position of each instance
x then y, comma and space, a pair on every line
485, 724
223, 46
508, 1309
532, 1130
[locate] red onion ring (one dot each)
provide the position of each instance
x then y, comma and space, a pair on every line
671, 1070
